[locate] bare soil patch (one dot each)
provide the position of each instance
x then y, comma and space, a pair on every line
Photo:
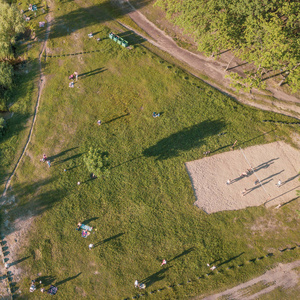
270, 162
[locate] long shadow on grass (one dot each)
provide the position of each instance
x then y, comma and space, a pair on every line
92, 73
116, 118
32, 200
185, 252
109, 239
62, 153
67, 279
158, 276
184, 140
88, 16
73, 157
46, 280
19, 261
230, 259
88, 221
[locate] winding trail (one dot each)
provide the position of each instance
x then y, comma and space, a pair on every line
41, 84
6, 291
210, 67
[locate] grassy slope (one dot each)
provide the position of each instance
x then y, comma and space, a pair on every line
23, 99
144, 209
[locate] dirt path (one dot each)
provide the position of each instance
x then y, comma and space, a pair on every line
283, 276
209, 67
41, 85
7, 256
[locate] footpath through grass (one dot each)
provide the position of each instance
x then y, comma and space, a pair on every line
143, 211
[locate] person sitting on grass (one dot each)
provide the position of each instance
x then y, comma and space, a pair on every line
85, 233
155, 115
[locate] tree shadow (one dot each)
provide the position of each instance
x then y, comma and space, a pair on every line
230, 259
184, 140
158, 276
185, 252
109, 239
19, 261
91, 73
67, 279
89, 16
24, 202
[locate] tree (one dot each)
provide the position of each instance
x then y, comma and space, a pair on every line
2, 127
265, 33
11, 24
96, 161
6, 83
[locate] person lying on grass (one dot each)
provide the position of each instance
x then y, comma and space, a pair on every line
84, 227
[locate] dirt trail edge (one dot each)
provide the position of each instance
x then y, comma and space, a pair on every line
279, 102
41, 85
6, 276
282, 276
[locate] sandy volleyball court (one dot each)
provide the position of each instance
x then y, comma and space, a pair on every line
270, 162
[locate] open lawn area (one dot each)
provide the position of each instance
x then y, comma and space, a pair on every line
142, 211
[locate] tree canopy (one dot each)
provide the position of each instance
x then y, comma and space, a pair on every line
96, 161
263, 32
11, 24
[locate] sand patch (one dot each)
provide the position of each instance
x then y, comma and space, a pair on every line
271, 163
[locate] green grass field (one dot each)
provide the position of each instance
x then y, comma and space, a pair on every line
143, 211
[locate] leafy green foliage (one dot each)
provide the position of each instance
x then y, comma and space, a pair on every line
11, 24
97, 161
265, 33
6, 83
2, 127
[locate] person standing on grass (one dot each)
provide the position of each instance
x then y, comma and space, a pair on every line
164, 262
76, 75
49, 163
